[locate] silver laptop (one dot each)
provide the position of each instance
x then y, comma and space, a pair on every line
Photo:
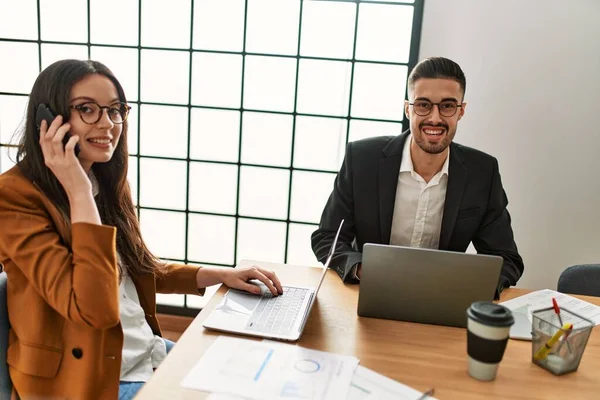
424, 285
275, 317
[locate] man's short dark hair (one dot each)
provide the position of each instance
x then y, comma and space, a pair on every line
437, 68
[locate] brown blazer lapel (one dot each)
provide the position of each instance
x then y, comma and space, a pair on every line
145, 285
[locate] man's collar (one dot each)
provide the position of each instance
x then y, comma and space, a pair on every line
446, 163
406, 164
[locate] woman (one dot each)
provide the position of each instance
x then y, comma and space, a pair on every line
82, 284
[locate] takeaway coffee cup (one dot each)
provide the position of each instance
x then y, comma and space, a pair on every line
487, 333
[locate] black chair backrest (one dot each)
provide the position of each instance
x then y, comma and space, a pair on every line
5, 384
580, 279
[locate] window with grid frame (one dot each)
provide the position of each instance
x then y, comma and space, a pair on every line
241, 109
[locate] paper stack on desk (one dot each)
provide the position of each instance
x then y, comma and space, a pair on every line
369, 385
523, 307
235, 368
266, 370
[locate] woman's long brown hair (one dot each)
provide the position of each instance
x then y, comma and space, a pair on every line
114, 201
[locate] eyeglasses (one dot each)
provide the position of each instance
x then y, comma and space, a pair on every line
91, 112
424, 107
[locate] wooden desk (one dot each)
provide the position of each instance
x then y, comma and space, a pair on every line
421, 356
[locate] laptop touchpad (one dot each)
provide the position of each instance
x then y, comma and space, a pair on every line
240, 302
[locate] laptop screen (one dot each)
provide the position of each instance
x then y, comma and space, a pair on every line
330, 256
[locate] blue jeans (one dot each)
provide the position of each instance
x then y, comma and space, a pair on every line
128, 390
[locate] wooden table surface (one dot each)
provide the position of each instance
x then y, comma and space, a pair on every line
418, 355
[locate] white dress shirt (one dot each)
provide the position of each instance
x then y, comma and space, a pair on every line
419, 205
142, 350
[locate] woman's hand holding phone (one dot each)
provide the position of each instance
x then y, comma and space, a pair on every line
68, 170
61, 159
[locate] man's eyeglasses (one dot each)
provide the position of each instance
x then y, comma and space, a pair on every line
424, 107
91, 112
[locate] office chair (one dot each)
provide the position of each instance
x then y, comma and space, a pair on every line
580, 279
5, 383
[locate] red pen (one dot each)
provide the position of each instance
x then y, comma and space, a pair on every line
557, 310
564, 339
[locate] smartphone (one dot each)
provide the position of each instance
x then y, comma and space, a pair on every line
44, 113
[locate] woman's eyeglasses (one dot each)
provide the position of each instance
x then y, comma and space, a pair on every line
91, 112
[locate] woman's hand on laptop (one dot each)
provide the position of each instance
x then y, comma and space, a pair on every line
238, 278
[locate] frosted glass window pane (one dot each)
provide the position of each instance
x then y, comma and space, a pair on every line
378, 91
18, 19
211, 239
310, 191
170, 299
12, 115
269, 83
18, 75
166, 23
124, 64
319, 143
164, 131
272, 26
132, 177
215, 135
384, 32
213, 187
55, 52
267, 139
219, 25
164, 233
324, 87
127, 21
7, 158
328, 29
163, 183
366, 129
132, 129
299, 245
261, 240
165, 76
58, 25
264, 192
217, 80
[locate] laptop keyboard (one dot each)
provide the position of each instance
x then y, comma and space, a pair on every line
277, 314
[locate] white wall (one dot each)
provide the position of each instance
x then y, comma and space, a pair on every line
533, 88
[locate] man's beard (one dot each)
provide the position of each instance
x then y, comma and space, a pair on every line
435, 148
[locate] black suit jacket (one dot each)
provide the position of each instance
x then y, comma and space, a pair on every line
364, 194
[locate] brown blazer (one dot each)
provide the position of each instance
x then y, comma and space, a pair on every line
66, 339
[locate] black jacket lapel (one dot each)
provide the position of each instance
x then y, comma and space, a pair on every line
457, 179
389, 169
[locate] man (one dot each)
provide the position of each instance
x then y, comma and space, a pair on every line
420, 189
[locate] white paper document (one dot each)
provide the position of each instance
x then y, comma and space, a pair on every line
526, 304
369, 385
223, 396
366, 385
264, 370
